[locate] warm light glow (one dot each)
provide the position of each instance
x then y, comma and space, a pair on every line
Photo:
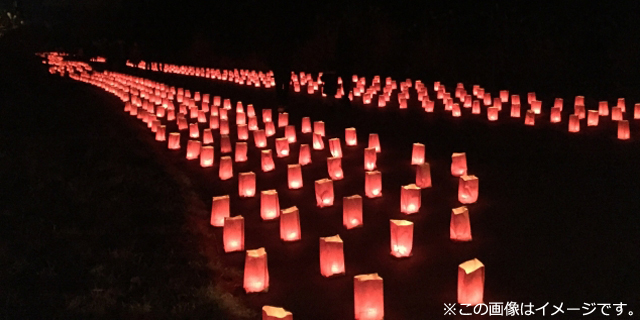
417, 154
335, 148
370, 158
334, 167
194, 131
331, 256
256, 271
193, 149
290, 224
401, 238
206, 157
207, 136
623, 130
306, 125
241, 151
616, 114
174, 141
324, 192
269, 129
318, 143
225, 144
274, 313
266, 158
410, 199
592, 118
226, 168
243, 132
267, 115
219, 210
352, 211
574, 123
283, 120
260, 139
515, 110
269, 204
458, 164
294, 176
374, 142
492, 113
304, 157
468, 189
233, 234
290, 133
350, 137
368, 295
460, 226
471, 282
373, 184
318, 127
246, 184
282, 147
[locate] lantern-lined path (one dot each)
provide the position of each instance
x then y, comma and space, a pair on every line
555, 221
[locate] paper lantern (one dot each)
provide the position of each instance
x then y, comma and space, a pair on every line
350, 137
224, 126
492, 113
401, 238
460, 227
304, 156
515, 110
368, 297
536, 106
256, 271
216, 101
214, 122
455, 110
324, 192
530, 118
417, 154
531, 96
352, 211
241, 151
266, 159
636, 111
283, 120
161, 133
219, 210
239, 107
374, 142
429, 106
616, 114
290, 133
290, 224
306, 125
423, 175
294, 176
247, 184
206, 157
243, 132
373, 184
335, 148
603, 108
274, 313
370, 158
558, 103
267, 115
623, 130
269, 204
252, 122
282, 147
471, 282
468, 189
331, 256
226, 168
225, 144
574, 123
233, 234
193, 149
269, 129
515, 99
207, 136
622, 105
458, 164
174, 141
260, 139
226, 104
475, 107
318, 127
556, 115
580, 111
410, 199
592, 118
318, 143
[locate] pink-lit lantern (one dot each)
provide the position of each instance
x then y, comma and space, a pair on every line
373, 184
290, 224
423, 175
260, 139
458, 164
226, 168
515, 110
536, 106
410, 199
207, 136
243, 132
226, 104
530, 117
460, 227
370, 158
318, 127
282, 147
455, 110
471, 282
219, 210
475, 107
214, 122
283, 120
161, 133
233, 234
531, 96
368, 296
417, 154
224, 126
306, 125
206, 157
352, 211
269, 204
515, 99
616, 114
350, 137
623, 130
492, 113
429, 106
556, 115
247, 184
374, 142
274, 313
558, 103
241, 151
252, 121
468, 189
504, 96
266, 159
269, 129
636, 111
304, 156
331, 256
225, 144
574, 123
256, 271
267, 115
193, 149
174, 141
401, 238
603, 108
194, 132
580, 111
294, 176
324, 192
592, 118
290, 133
621, 104
318, 143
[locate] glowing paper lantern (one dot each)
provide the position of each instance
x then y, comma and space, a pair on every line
226, 168
558, 103
266, 159
603, 108
269, 204
260, 139
616, 114
324, 192
350, 137
283, 119
193, 149
515, 99
429, 106
318, 127
214, 122
458, 164
556, 115
247, 184
373, 184
574, 123
256, 271
368, 296
331, 256
475, 107
492, 113
536, 106
401, 238
267, 115
274, 313
374, 142
206, 157
269, 129
207, 136
282, 147
174, 141
423, 175
253, 123
352, 211
306, 125
304, 156
623, 130
417, 154
294, 176
468, 189
161, 133
636, 111
318, 143
580, 111
460, 227
233, 234
290, 133
241, 151
592, 118
471, 282
225, 144
531, 96
622, 105
515, 110
226, 104
290, 224
219, 210
410, 199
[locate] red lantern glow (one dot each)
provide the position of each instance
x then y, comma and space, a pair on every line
247, 184
266, 159
269, 129
260, 139
592, 118
460, 227
224, 126
282, 147
531, 96
306, 125
290, 133
207, 136
515, 110
269, 204
603, 108
471, 282
304, 157
515, 99
331, 256
368, 296
401, 238
256, 271
294, 176
370, 158
318, 143
193, 149
161, 133
233, 234
410, 199
374, 142
214, 122
335, 148
318, 127
622, 105
290, 224
373, 184
616, 114
267, 115
558, 103
226, 168
458, 164
574, 123
206, 157
324, 192
423, 175
417, 154
623, 130
468, 189
580, 111
219, 210
492, 113
636, 111
352, 211
273, 313
225, 144
253, 123
475, 107
174, 141
536, 106
350, 137
556, 115
241, 151
283, 120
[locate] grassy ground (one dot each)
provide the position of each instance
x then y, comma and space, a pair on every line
93, 227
